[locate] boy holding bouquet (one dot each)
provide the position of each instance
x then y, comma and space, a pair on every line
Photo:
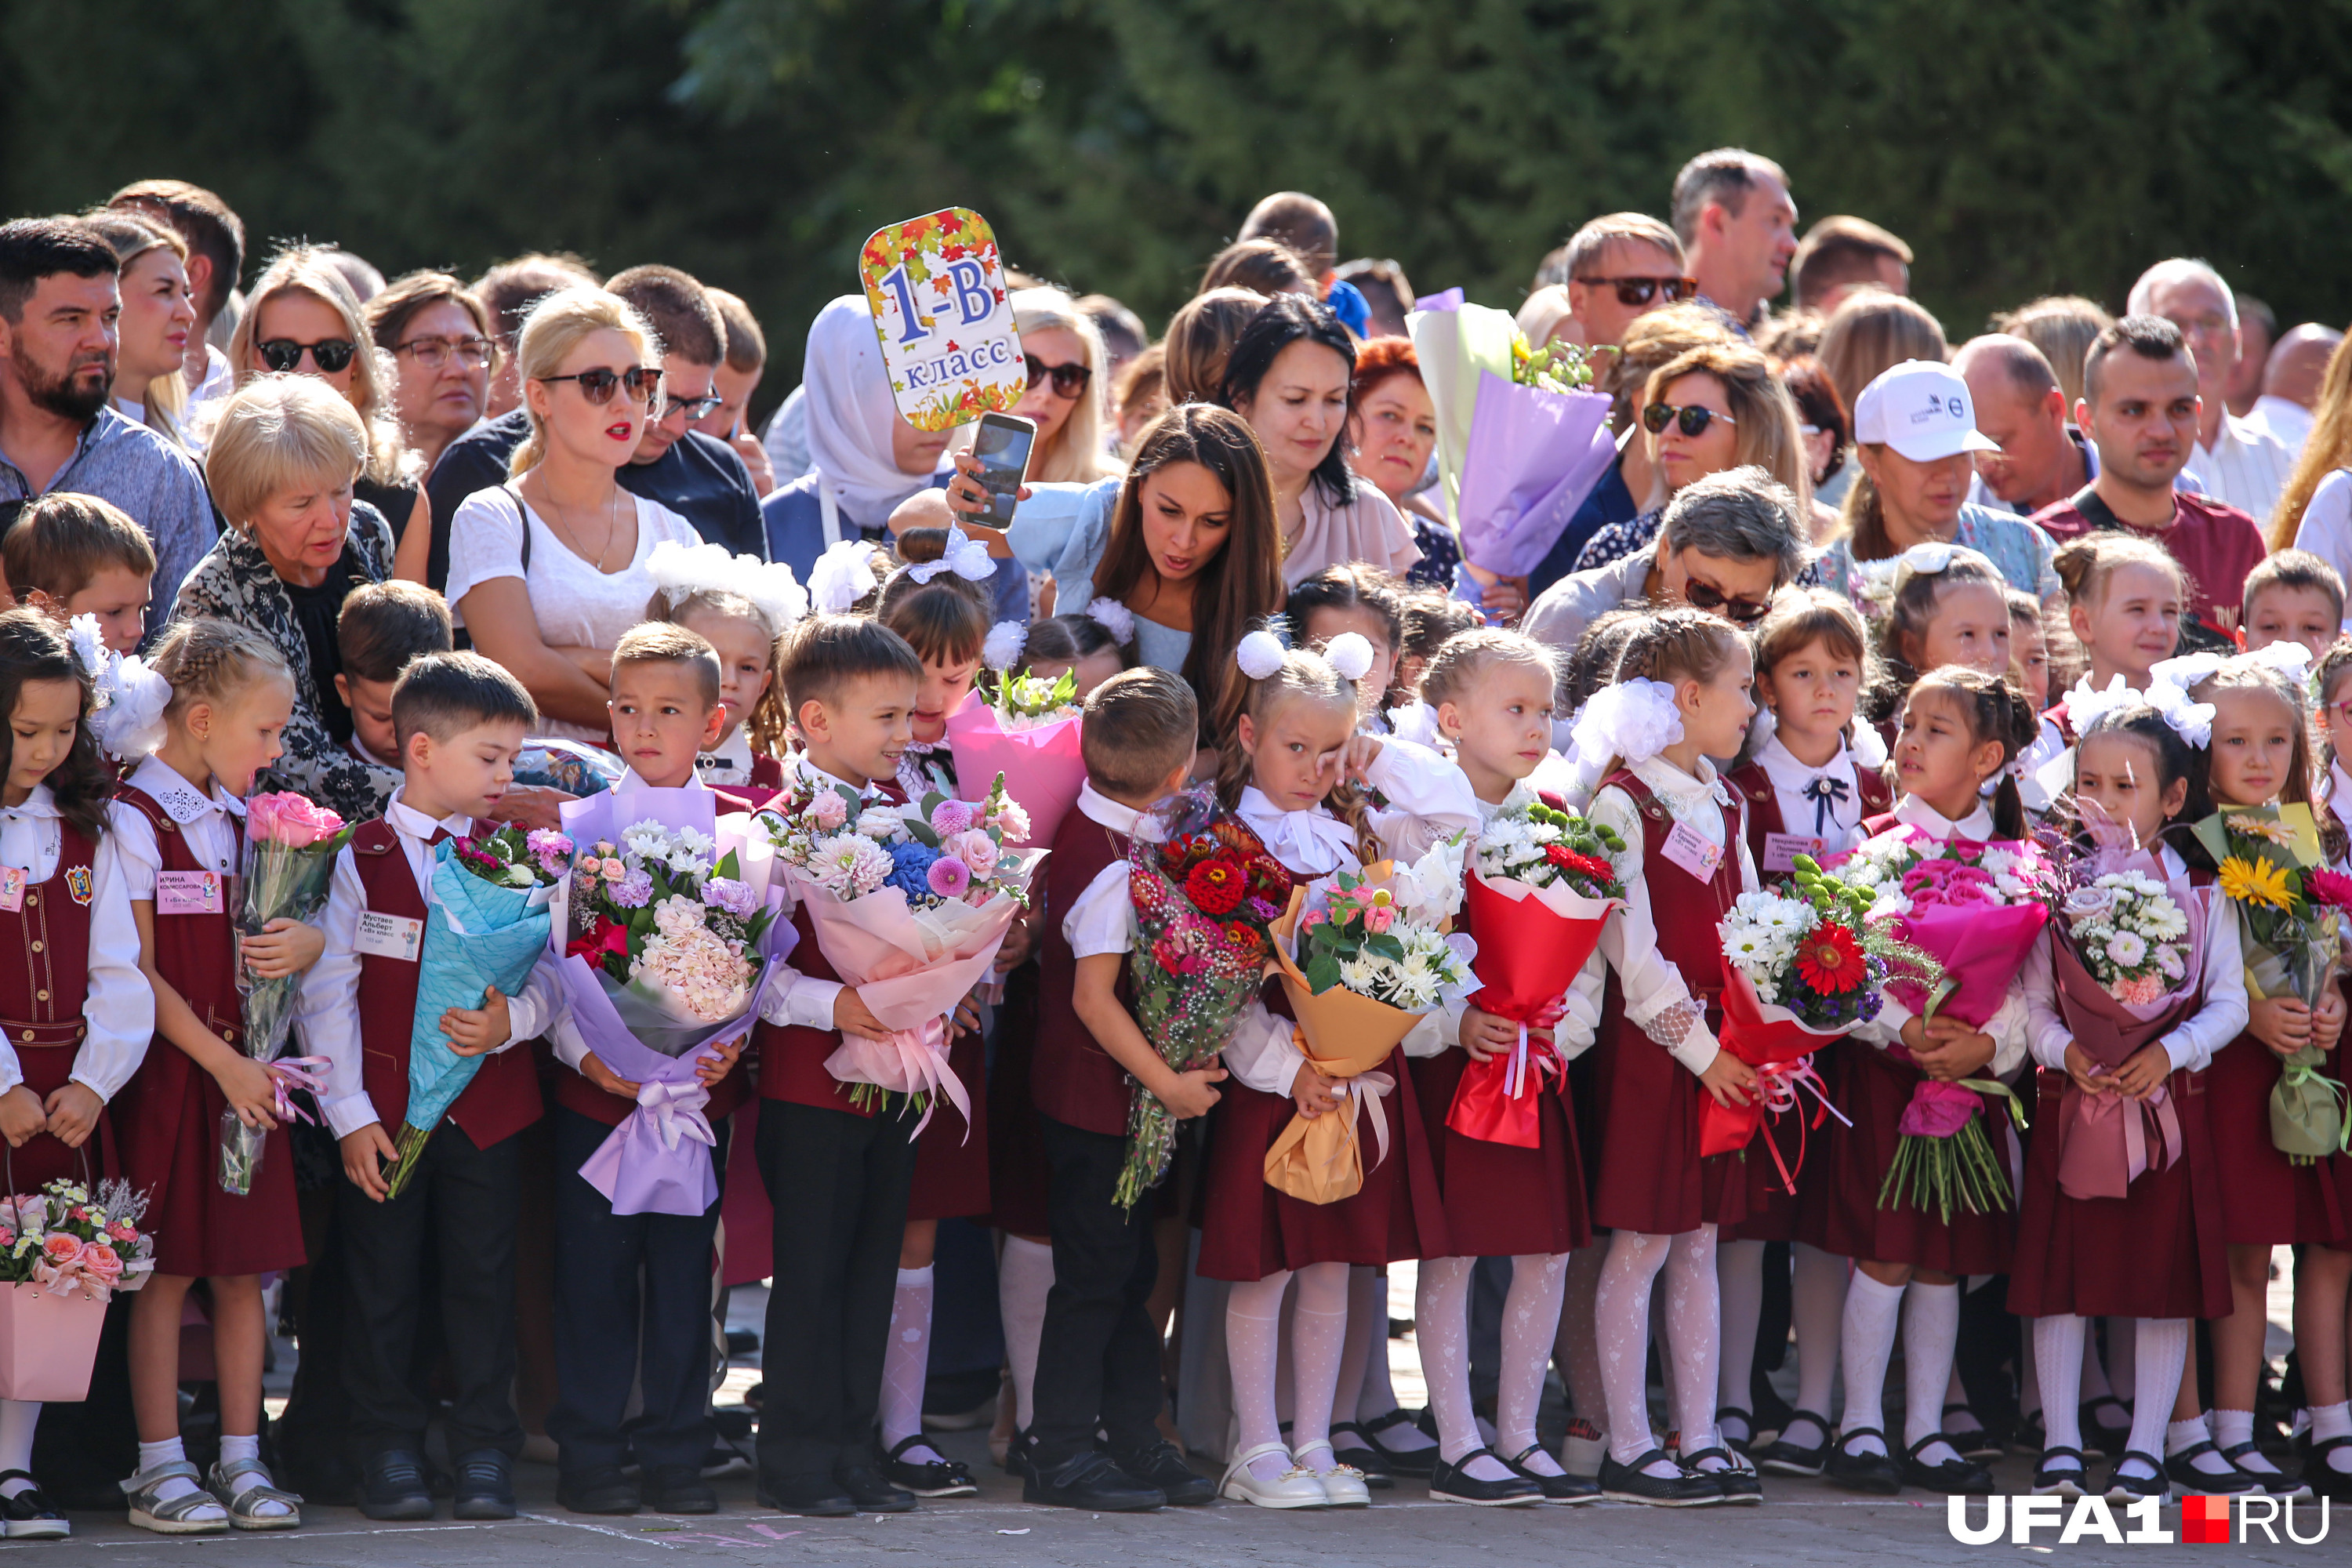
610, 1335
458, 721
1098, 1355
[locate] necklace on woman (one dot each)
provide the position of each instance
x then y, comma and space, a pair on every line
571, 535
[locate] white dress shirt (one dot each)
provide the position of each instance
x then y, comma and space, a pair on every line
2246, 468
2193, 1041
327, 1007
728, 762
794, 1000
629, 780
2339, 793
1102, 918
2284, 418
119, 1006
1798, 789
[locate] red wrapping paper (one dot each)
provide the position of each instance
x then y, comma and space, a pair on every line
1769, 1039
1532, 942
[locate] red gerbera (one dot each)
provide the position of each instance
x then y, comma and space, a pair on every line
1215, 887
1830, 961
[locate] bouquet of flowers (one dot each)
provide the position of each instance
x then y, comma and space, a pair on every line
666, 950
1976, 906
2104, 910
910, 905
1521, 438
1361, 968
2273, 869
1024, 729
66, 1250
1801, 966
486, 925
289, 860
1538, 895
1204, 897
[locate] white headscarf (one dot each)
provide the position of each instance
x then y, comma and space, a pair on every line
850, 413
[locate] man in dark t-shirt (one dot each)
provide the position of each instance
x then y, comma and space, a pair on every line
2139, 407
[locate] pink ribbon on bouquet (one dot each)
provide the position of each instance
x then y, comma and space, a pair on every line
2104, 1139
1777, 1090
297, 1072
911, 1061
1548, 1064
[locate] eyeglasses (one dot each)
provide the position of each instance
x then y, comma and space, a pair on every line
332, 355
692, 408
1641, 291
597, 385
1069, 380
1690, 419
433, 353
1707, 596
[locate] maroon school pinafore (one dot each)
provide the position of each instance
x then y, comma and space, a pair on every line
2267, 1200
44, 978
1649, 1176
167, 1117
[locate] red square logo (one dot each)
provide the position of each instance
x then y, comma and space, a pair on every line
2205, 1520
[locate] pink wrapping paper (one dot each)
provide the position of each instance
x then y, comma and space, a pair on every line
48, 1343
1043, 768
1980, 946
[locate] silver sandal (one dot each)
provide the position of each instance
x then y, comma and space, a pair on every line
172, 1517
239, 1484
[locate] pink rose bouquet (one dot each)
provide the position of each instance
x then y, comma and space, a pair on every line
71, 1241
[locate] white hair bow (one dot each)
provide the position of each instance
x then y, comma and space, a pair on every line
842, 575
2192, 722
1633, 720
965, 556
89, 645
684, 569
1007, 640
129, 718
2086, 704
1417, 722
2289, 657
2187, 671
1930, 555
1115, 617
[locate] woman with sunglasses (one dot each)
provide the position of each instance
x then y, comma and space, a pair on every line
1065, 398
1915, 438
302, 318
547, 571
1711, 408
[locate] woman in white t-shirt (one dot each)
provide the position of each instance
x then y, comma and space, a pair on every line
547, 571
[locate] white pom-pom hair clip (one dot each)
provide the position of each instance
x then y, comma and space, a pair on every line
1260, 654
842, 575
1351, 653
1007, 640
1114, 618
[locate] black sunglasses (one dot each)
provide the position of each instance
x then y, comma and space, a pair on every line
1692, 419
1641, 291
1069, 380
332, 355
1707, 596
597, 385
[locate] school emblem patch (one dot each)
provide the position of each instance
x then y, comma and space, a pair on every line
77, 883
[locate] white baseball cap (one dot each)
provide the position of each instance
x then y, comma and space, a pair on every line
1921, 409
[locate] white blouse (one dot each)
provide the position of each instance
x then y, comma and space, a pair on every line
328, 1004
119, 1006
1823, 803
2193, 1041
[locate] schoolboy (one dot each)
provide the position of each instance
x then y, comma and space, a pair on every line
380, 627
2293, 596
68, 555
665, 707
458, 721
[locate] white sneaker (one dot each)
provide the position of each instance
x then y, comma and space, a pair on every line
1343, 1485
1580, 1455
1294, 1488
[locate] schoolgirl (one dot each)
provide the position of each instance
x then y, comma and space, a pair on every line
741, 606
1354, 597
2125, 599
1293, 770
1948, 605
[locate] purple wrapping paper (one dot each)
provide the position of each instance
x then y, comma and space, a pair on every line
658, 1160
1533, 458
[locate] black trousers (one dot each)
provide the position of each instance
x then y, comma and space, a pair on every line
460, 1204
632, 1310
1098, 1357
839, 1183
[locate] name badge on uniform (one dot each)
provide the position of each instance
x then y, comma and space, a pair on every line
1781, 849
190, 893
12, 888
1688, 848
389, 936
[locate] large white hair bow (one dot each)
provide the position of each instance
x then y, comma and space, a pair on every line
683, 569
2086, 704
965, 556
129, 718
842, 575
1633, 720
1115, 617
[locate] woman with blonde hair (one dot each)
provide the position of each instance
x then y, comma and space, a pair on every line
1068, 388
157, 317
1710, 408
302, 318
2314, 510
547, 571
1869, 333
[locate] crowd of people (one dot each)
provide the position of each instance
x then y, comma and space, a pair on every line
437, 554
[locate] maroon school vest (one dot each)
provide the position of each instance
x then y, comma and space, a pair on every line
197, 953
503, 1099
45, 964
1685, 911
1754, 785
1072, 1078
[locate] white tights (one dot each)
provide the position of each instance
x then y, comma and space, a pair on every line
2159, 1353
1621, 1311
1442, 1329
1318, 1334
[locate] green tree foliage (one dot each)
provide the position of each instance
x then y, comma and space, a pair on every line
1116, 143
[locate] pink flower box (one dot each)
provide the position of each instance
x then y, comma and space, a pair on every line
48, 1343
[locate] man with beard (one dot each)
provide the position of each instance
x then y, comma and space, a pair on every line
57, 429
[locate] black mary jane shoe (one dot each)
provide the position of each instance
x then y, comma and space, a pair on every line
2326, 1480
1452, 1484
2101, 1439
1977, 1442
927, 1477
1351, 1447
1783, 1457
1737, 1480
1745, 1418
2182, 1468
2271, 1482
2122, 1487
1414, 1463
1633, 1483
1878, 1474
28, 1515
1953, 1478
1555, 1488
1157, 1464
2068, 1481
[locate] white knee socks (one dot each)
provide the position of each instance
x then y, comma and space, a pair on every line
1873, 1314
2159, 1353
19, 1420
2058, 1361
1931, 1327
